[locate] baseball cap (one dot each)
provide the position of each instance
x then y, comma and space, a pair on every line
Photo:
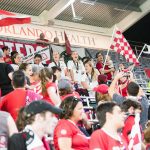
102, 88
1, 53
64, 84
39, 106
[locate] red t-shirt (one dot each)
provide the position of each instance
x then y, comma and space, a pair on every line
13, 101
6, 57
123, 91
109, 75
100, 140
128, 126
46, 96
75, 94
66, 128
99, 66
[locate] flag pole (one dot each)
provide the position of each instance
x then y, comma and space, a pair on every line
109, 47
141, 51
139, 55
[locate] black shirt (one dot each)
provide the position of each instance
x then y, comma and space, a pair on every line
5, 82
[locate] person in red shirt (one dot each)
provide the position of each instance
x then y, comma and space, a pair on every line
99, 64
67, 135
6, 57
111, 119
49, 88
109, 68
130, 107
18, 98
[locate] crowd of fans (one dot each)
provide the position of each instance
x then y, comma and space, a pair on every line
41, 105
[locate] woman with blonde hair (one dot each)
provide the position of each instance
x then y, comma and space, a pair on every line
49, 88
91, 76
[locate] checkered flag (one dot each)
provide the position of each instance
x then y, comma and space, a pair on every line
135, 141
121, 46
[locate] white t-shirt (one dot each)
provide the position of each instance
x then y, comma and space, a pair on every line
78, 70
91, 82
15, 67
60, 64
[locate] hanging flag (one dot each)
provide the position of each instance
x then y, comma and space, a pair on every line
8, 18
135, 135
67, 44
121, 46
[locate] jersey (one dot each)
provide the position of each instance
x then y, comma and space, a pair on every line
101, 140
66, 128
78, 70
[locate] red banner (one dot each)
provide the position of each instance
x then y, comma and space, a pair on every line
27, 49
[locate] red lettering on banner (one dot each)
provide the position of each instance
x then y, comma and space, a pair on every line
48, 35
29, 49
30, 31
84, 39
78, 39
93, 40
22, 31
73, 39
60, 35
7, 29
20, 48
38, 32
13, 29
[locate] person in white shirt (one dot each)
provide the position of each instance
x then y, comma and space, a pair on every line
76, 68
38, 60
91, 76
16, 61
58, 63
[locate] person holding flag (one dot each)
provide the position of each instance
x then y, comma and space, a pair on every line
120, 45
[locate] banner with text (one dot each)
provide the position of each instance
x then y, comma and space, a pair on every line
28, 49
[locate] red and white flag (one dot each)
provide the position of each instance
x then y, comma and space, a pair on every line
67, 44
8, 18
121, 46
135, 142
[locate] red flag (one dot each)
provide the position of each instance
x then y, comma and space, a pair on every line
135, 135
8, 18
121, 46
67, 44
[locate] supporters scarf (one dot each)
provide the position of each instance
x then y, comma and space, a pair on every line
33, 142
